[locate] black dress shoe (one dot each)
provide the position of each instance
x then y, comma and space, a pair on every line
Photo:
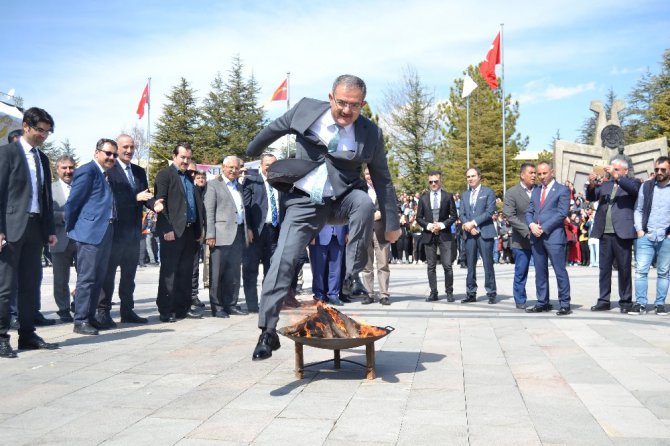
234, 311
367, 300
492, 300
65, 317
104, 321
345, 299
36, 343
85, 328
539, 308
267, 343
450, 298
6, 350
169, 317
194, 314
221, 315
356, 287
197, 303
432, 297
469, 299
133, 318
41, 321
564, 311
385, 301
600, 306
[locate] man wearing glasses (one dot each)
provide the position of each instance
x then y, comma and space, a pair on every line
652, 223
338, 141
26, 224
89, 221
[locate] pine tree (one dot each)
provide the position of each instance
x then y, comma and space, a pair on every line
178, 123
213, 132
412, 128
587, 132
659, 109
485, 136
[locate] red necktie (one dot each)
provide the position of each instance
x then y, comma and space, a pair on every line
544, 193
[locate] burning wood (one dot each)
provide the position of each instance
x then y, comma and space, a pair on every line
327, 322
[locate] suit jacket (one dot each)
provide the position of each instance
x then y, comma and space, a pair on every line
256, 203
324, 236
59, 217
514, 208
623, 206
551, 215
16, 193
344, 168
89, 206
448, 215
128, 224
482, 213
221, 213
169, 187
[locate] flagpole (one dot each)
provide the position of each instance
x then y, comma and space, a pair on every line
467, 132
288, 106
502, 87
149, 113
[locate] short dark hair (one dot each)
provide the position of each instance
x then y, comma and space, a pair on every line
525, 166
14, 135
267, 155
183, 144
351, 81
662, 159
102, 141
476, 169
434, 173
34, 115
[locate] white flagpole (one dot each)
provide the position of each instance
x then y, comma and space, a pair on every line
149, 113
288, 106
467, 133
502, 88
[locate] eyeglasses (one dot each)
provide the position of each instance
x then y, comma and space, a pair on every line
109, 154
41, 131
660, 169
344, 104
433, 181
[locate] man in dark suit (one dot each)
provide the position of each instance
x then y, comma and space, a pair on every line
325, 254
339, 140
89, 221
180, 225
131, 192
263, 212
478, 204
613, 225
548, 207
26, 224
64, 252
226, 237
514, 208
435, 214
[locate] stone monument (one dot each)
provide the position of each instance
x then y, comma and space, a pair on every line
574, 161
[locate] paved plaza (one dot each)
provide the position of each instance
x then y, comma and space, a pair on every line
450, 373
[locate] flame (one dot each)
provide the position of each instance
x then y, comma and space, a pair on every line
327, 322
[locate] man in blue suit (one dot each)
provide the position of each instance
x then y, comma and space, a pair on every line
89, 219
478, 204
326, 253
548, 207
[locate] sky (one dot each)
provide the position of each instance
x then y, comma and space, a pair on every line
87, 62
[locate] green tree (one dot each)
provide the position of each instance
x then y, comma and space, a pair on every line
485, 135
545, 155
659, 110
411, 124
587, 132
54, 151
394, 166
178, 123
231, 114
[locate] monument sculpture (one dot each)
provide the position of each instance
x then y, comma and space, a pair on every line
574, 161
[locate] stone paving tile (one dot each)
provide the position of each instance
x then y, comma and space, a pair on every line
234, 425
152, 431
295, 431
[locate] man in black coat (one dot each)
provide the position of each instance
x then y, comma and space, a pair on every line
613, 226
436, 213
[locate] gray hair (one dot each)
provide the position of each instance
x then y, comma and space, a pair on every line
230, 158
350, 81
64, 158
625, 162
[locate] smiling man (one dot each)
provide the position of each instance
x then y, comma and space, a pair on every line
339, 141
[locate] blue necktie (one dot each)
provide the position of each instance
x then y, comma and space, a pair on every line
316, 196
273, 205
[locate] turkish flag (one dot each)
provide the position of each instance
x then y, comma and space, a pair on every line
281, 93
488, 67
144, 101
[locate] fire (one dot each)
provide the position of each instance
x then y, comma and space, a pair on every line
327, 322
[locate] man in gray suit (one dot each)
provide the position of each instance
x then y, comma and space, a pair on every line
477, 207
226, 237
65, 250
516, 203
339, 141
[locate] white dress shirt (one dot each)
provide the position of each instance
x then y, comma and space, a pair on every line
30, 159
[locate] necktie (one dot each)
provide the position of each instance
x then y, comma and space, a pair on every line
335, 140
113, 202
544, 194
473, 198
435, 203
38, 173
129, 174
436, 208
273, 206
615, 189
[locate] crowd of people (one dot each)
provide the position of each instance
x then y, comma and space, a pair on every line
341, 214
